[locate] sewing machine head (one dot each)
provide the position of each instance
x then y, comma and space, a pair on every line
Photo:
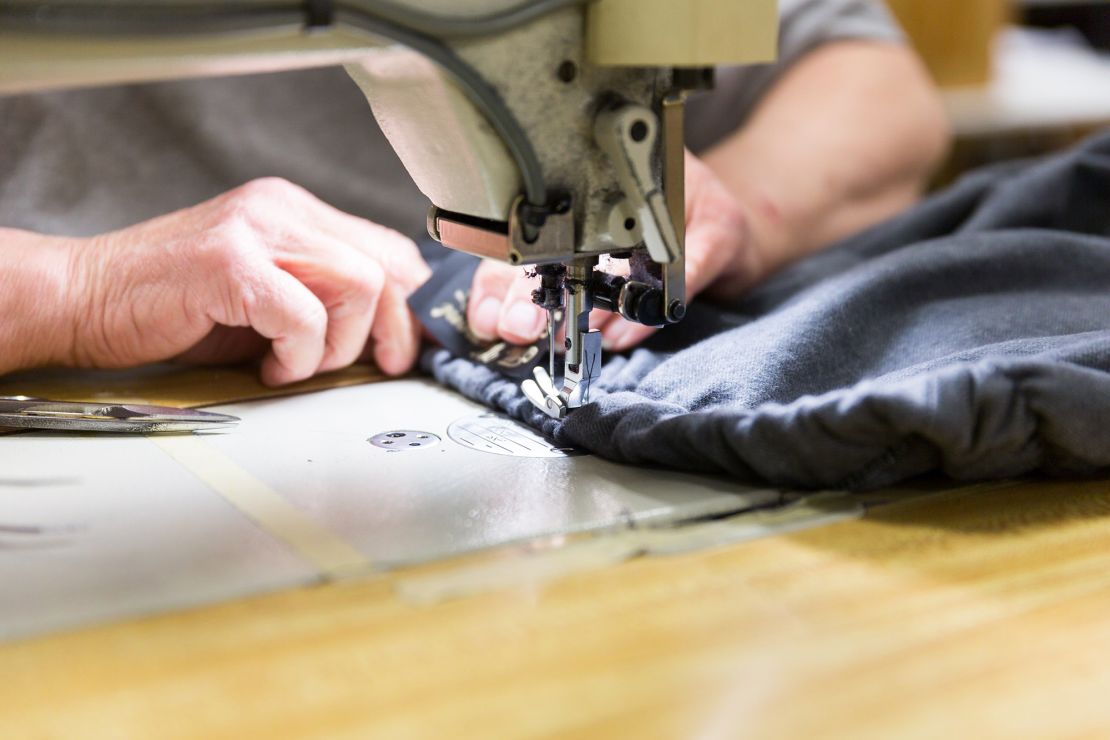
579, 158
546, 133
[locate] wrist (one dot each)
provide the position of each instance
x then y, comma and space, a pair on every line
747, 237
768, 232
39, 316
771, 218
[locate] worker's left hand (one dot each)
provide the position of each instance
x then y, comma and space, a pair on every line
265, 270
721, 259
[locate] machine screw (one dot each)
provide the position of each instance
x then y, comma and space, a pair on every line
677, 310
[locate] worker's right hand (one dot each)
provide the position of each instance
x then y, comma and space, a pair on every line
265, 269
723, 259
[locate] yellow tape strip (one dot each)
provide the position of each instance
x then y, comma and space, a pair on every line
330, 554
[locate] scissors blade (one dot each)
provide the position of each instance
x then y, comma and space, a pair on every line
168, 415
100, 417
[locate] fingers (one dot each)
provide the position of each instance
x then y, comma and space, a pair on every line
349, 285
359, 301
350, 319
487, 294
282, 309
619, 334
396, 253
361, 272
395, 335
501, 306
521, 321
266, 260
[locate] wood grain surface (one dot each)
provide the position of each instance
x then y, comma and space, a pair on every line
180, 386
965, 614
172, 385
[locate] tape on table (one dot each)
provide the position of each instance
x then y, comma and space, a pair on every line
330, 554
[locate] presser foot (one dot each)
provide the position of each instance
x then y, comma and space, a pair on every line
543, 395
578, 379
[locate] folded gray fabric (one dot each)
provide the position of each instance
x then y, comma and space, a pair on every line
969, 336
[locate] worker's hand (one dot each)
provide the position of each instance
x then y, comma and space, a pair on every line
721, 260
263, 269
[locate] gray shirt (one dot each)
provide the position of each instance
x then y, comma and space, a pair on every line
84, 162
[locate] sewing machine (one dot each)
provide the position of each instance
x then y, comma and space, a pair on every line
547, 133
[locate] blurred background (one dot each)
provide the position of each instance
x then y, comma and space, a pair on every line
1019, 77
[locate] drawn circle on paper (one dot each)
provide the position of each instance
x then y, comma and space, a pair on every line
403, 440
499, 435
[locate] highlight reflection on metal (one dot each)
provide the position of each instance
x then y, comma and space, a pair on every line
67, 416
35, 537
502, 436
402, 440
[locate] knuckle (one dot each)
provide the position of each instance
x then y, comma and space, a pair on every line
493, 277
397, 251
223, 249
311, 319
408, 253
257, 198
369, 280
266, 188
483, 276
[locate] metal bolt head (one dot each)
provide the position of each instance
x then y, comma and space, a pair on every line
567, 71
639, 131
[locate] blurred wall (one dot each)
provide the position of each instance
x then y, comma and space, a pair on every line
953, 36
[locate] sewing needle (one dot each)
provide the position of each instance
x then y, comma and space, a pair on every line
551, 344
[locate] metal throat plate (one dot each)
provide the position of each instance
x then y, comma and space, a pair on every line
501, 436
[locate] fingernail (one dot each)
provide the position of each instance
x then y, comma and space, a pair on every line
523, 321
484, 324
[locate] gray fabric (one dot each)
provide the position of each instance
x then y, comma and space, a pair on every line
89, 161
804, 25
970, 336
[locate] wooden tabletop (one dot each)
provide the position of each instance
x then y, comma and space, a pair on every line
963, 614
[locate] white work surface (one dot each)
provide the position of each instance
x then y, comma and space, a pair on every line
95, 528
1042, 80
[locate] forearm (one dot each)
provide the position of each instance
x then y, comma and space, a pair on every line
36, 326
846, 138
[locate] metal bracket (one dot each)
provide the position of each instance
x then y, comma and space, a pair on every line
674, 187
506, 242
628, 136
553, 241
